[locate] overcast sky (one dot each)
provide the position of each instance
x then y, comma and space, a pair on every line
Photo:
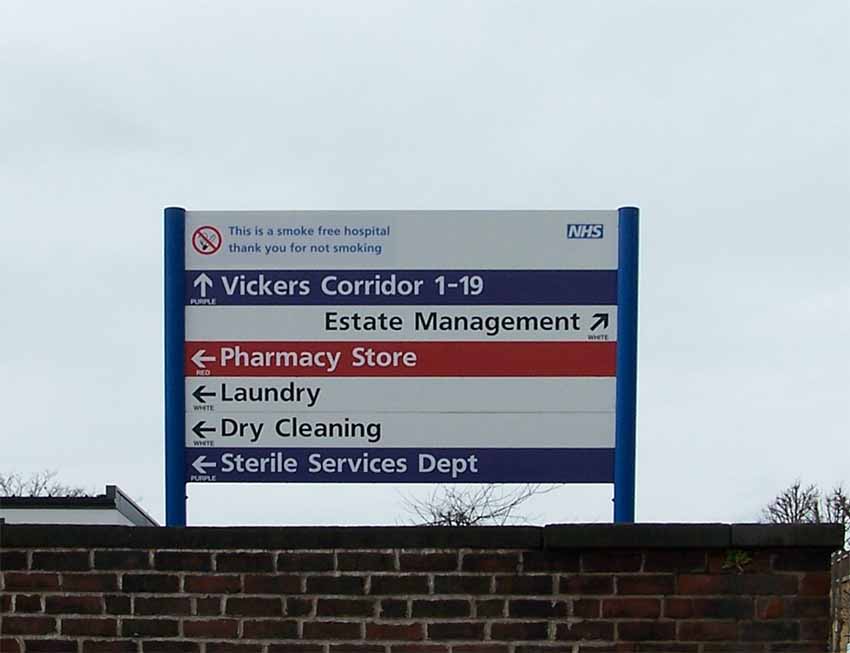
725, 122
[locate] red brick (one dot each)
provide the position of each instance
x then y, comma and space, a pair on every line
305, 562
89, 582
117, 604
586, 608
254, 607
456, 630
182, 561
270, 629
149, 628
768, 631
122, 559
345, 608
73, 605
796, 560
676, 608
434, 562
365, 561
211, 628
490, 608
213, 584
550, 561
814, 629
170, 646
50, 646
244, 562
488, 648
536, 608
393, 609
641, 631
461, 584
490, 562
701, 631
530, 585
89, 626
356, 648
13, 560
399, 585
110, 646
399, 632
61, 560
581, 585
21, 581
686, 560
620, 561
9, 646
232, 647
162, 606
771, 607
297, 607
585, 630
296, 648
326, 630
646, 584
335, 585
807, 608
631, 608
726, 607
272, 584
150, 583
29, 625
209, 607
29, 603
815, 584
441, 609
516, 631
726, 562
5, 602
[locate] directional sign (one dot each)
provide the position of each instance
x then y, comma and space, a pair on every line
401, 346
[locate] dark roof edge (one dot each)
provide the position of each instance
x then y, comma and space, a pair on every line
129, 508
113, 498
571, 536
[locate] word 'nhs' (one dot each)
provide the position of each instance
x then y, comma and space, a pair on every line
584, 231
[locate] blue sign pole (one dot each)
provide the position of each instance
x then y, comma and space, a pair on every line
175, 335
627, 318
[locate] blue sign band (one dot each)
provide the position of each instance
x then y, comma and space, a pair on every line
175, 335
626, 410
396, 465
401, 287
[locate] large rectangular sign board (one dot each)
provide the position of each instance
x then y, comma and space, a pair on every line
400, 346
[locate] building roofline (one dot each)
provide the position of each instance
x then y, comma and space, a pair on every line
114, 498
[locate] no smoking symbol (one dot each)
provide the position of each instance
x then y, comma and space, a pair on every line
206, 240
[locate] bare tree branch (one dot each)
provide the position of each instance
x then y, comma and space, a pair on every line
473, 505
39, 484
810, 505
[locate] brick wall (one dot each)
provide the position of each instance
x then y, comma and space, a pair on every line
568, 589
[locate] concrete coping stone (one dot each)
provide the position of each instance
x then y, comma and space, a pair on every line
554, 536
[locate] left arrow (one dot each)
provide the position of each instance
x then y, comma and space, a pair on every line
200, 465
200, 428
199, 394
204, 282
200, 358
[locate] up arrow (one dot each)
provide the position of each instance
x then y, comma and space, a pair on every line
199, 359
204, 282
200, 428
199, 394
601, 320
201, 466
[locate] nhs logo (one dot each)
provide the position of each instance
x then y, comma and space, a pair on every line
584, 231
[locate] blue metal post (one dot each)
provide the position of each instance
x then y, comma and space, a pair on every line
175, 336
627, 322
